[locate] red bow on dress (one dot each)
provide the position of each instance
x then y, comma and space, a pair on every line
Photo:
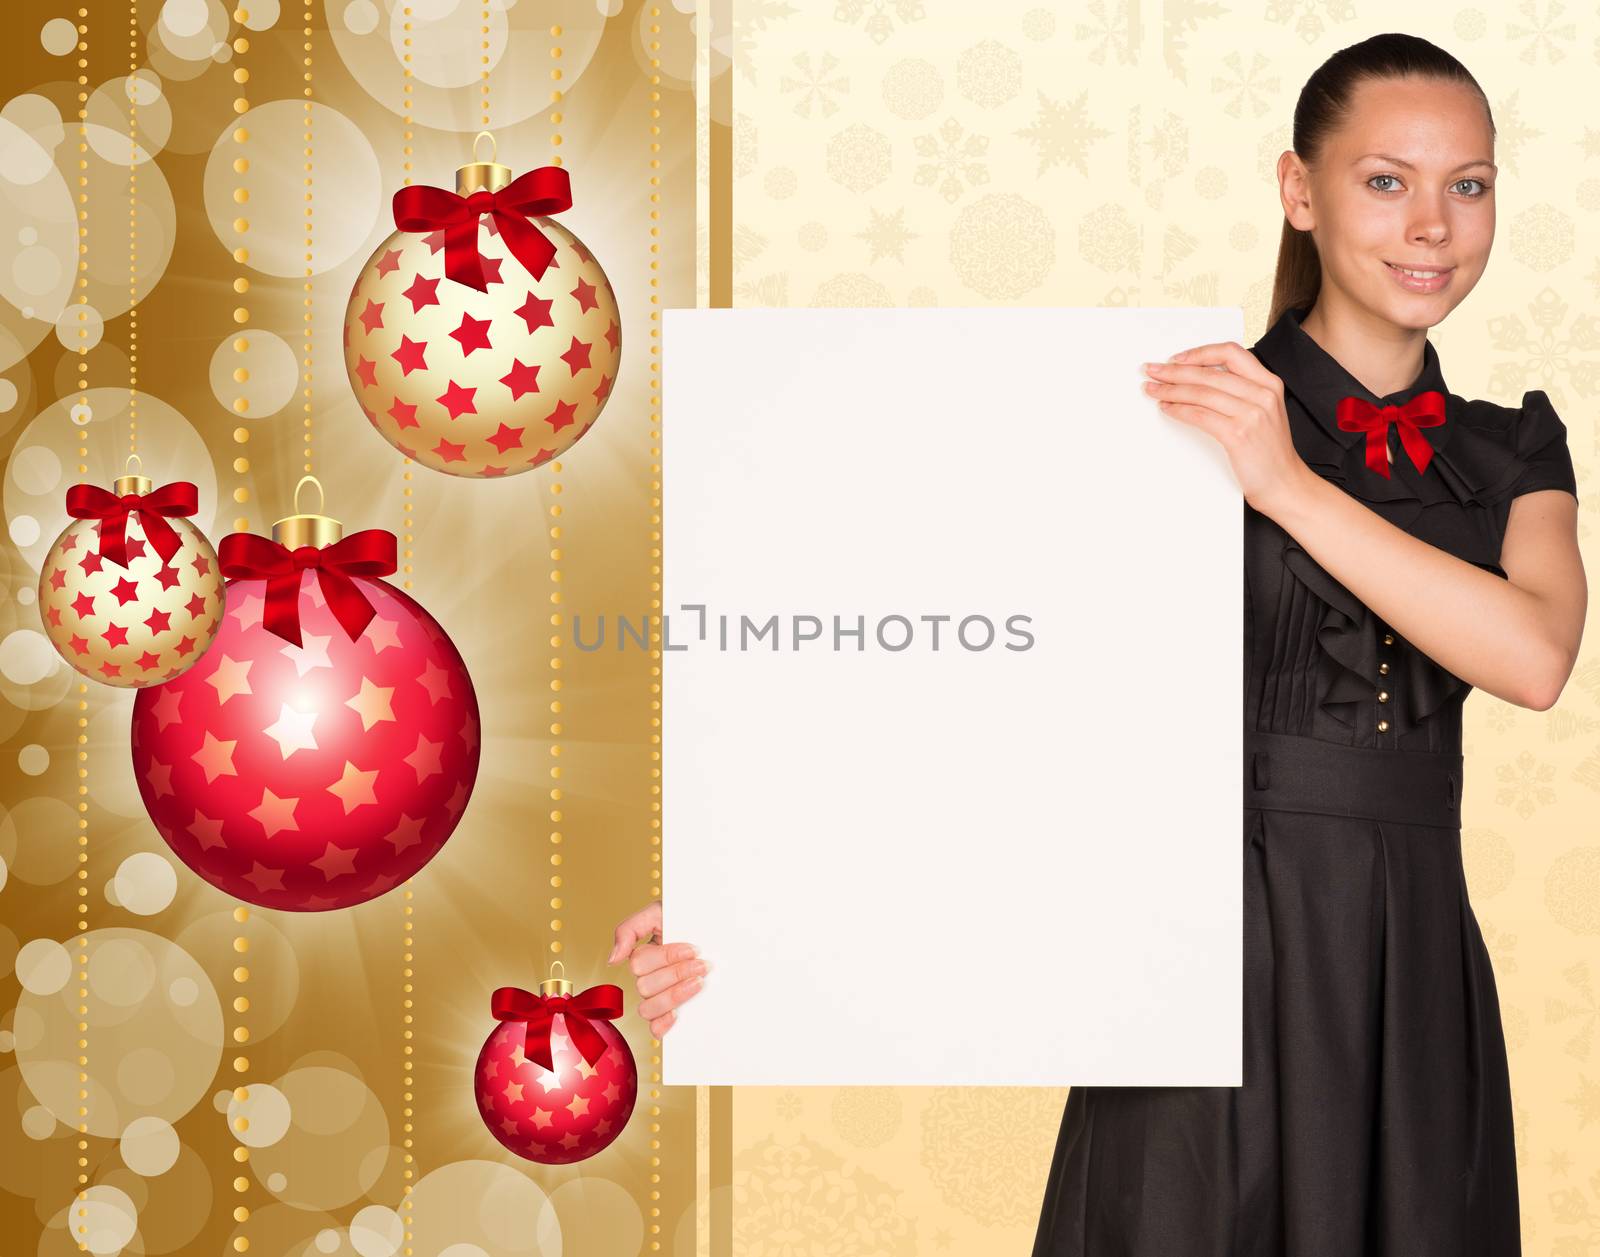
536, 1012
371, 552
1425, 410
547, 190
90, 501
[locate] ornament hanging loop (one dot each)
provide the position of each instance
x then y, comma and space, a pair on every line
482, 176
306, 528
130, 481
556, 984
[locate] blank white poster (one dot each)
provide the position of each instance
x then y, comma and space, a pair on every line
952, 757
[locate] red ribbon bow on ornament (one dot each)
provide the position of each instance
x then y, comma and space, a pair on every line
90, 501
1425, 410
537, 1012
546, 190
371, 552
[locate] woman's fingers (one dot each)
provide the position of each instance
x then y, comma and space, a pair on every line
642, 924
1231, 354
659, 955
670, 998
663, 1023
660, 978
1248, 392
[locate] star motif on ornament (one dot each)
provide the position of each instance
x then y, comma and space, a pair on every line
408, 833
457, 399
168, 576
542, 457
505, 438
492, 1069
389, 262
585, 1069
147, 661
185, 645
336, 862
427, 759
372, 703
585, 295
381, 634
544, 1079
90, 563
159, 621
274, 814
79, 645
207, 832
135, 547
612, 1093
292, 730
54, 616
58, 578
423, 292
436, 681
311, 653
160, 778
263, 878
250, 610
491, 269
513, 1092
124, 591
521, 379
541, 1119
166, 708
614, 335
535, 312
354, 787
409, 355
70, 543
570, 1141
367, 372
202, 565
115, 635
230, 677
195, 606
372, 317
577, 355
492, 469
472, 334
508, 1125
457, 802
450, 452
434, 240
83, 604
215, 757
564, 414
603, 390
582, 250
404, 414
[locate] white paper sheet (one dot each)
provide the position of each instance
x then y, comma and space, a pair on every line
958, 865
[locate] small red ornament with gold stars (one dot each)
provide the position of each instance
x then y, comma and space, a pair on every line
131, 593
556, 1081
482, 338
325, 748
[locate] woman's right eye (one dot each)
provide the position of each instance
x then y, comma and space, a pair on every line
1369, 182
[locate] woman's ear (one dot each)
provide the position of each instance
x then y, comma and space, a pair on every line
1294, 190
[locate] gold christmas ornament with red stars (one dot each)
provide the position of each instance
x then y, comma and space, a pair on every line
131, 593
482, 337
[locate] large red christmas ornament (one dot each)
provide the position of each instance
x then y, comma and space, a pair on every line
555, 1081
325, 747
130, 593
482, 337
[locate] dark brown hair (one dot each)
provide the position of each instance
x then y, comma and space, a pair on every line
1323, 104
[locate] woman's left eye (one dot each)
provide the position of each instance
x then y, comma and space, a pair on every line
1482, 186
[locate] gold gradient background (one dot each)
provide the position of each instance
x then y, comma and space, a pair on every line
845, 152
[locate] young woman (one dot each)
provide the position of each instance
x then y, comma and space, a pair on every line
1403, 544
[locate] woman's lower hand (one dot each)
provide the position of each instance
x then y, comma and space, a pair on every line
666, 974
1241, 405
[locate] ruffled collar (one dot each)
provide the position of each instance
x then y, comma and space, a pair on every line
1471, 461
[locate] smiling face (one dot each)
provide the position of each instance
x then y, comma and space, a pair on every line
1405, 180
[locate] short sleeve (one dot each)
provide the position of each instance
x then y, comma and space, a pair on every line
1541, 442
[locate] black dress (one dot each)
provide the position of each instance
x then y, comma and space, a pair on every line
1374, 1118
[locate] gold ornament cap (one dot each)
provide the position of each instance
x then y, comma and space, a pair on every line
482, 176
131, 481
554, 985
305, 528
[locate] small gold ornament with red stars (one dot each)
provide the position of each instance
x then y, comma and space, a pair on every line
131, 592
482, 337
